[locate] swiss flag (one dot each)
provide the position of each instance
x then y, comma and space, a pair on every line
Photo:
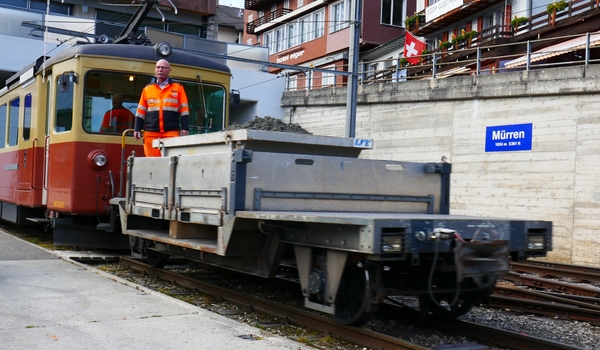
413, 47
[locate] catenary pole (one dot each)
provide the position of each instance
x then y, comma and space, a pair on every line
355, 14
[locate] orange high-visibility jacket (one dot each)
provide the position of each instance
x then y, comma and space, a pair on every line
117, 120
163, 109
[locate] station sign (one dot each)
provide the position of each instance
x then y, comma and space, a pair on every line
508, 138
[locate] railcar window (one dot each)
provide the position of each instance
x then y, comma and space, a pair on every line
207, 107
27, 118
3, 110
100, 114
64, 106
15, 3
13, 122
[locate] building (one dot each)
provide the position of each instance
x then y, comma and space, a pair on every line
231, 24
192, 18
316, 34
193, 25
458, 26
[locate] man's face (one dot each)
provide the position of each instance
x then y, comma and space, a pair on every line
162, 70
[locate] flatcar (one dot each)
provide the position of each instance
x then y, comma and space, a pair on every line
59, 168
358, 230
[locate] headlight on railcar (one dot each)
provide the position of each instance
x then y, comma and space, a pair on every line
536, 242
97, 159
392, 244
163, 48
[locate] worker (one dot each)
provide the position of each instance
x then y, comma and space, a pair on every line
162, 111
119, 118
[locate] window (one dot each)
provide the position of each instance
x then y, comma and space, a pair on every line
14, 3
61, 9
304, 26
13, 122
292, 83
27, 118
251, 17
3, 111
279, 40
339, 16
100, 114
391, 12
300, 3
249, 41
267, 41
286, 4
104, 114
291, 37
63, 120
319, 24
488, 21
207, 107
328, 79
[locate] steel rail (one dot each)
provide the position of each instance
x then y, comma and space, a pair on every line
544, 308
547, 284
506, 290
352, 334
500, 337
585, 273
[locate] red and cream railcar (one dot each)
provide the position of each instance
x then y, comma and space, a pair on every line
58, 167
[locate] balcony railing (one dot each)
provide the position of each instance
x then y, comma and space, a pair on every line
476, 62
251, 26
536, 21
258, 4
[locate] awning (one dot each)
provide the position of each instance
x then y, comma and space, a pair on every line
453, 71
555, 50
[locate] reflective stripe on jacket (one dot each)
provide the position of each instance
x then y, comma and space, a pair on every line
163, 109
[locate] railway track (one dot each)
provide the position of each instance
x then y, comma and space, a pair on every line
363, 337
540, 288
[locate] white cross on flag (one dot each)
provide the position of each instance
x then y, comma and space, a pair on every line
413, 47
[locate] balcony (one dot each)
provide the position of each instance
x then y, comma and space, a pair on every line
257, 5
469, 7
251, 26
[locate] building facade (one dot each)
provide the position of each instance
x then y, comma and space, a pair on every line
316, 33
458, 27
30, 41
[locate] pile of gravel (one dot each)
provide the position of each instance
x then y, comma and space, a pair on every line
269, 124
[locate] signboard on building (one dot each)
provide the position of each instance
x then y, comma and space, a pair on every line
507, 138
441, 7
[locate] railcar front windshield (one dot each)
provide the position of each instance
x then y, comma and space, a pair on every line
111, 100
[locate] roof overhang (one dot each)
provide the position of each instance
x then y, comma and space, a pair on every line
556, 50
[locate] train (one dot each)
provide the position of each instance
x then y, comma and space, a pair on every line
59, 169
357, 230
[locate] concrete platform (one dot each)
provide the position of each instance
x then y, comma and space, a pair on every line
48, 302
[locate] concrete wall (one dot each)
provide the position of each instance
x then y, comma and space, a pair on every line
558, 180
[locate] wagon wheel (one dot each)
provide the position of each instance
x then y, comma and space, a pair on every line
441, 308
155, 259
354, 297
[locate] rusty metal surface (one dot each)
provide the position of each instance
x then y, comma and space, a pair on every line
481, 260
205, 245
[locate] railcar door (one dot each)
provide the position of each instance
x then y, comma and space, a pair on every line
49, 89
27, 153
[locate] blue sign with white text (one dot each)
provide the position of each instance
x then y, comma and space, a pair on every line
508, 138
